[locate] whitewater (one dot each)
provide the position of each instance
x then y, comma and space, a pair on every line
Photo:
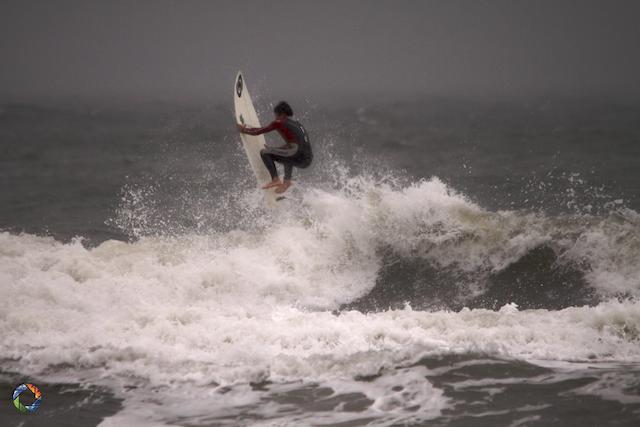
246, 317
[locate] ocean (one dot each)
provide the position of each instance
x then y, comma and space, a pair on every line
444, 262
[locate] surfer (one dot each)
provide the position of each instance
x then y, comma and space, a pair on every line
295, 152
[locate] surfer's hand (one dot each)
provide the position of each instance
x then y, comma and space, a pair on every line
240, 127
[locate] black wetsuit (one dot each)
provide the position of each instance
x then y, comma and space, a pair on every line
295, 152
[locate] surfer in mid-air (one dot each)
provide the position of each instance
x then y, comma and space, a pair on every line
295, 152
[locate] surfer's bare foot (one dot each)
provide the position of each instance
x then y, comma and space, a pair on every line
275, 183
283, 187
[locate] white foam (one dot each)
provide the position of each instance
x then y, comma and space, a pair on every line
220, 309
236, 307
425, 219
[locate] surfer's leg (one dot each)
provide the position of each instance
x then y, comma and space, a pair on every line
288, 170
285, 155
299, 161
277, 154
267, 159
269, 163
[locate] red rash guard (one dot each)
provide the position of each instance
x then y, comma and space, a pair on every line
281, 126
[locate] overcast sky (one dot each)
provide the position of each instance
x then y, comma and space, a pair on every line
194, 48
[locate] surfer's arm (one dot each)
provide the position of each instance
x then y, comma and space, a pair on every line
259, 131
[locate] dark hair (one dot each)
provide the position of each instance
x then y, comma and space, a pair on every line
283, 108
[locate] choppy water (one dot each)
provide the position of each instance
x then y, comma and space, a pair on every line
449, 262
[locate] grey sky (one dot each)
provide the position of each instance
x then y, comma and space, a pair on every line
193, 48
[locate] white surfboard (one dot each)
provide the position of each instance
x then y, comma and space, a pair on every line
246, 115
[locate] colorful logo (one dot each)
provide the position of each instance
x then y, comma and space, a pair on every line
26, 409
